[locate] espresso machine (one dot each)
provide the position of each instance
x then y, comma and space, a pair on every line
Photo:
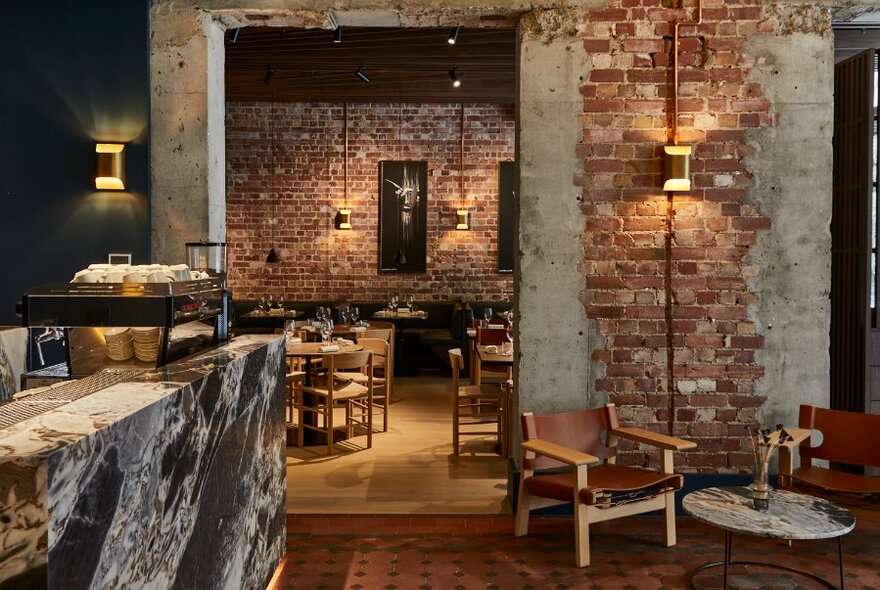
126, 326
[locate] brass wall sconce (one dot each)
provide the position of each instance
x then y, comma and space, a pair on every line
343, 219
677, 168
110, 174
462, 219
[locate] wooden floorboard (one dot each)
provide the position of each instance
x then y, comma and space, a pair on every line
409, 470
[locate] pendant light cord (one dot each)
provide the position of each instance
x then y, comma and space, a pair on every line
461, 156
675, 39
345, 163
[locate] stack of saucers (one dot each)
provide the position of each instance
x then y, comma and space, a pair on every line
119, 344
146, 344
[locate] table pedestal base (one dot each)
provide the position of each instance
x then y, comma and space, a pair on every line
728, 545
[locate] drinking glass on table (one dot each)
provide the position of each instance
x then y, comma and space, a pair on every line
326, 331
355, 315
410, 302
343, 315
261, 306
507, 347
487, 314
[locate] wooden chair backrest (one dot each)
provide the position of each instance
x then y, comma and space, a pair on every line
581, 430
491, 336
847, 437
382, 334
378, 346
456, 360
347, 360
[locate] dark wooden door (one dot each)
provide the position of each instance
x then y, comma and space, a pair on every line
851, 229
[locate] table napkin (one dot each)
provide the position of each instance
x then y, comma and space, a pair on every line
294, 340
329, 348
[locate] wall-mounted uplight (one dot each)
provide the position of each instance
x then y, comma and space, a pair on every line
462, 219
343, 219
677, 168
110, 174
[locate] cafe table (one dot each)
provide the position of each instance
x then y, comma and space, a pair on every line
309, 351
489, 353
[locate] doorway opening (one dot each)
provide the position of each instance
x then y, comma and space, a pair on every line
313, 119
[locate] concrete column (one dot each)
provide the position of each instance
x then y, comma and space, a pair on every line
555, 336
792, 170
187, 130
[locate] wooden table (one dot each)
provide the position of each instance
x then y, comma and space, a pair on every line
309, 351
483, 356
287, 314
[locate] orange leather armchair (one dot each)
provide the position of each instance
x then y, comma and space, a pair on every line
599, 489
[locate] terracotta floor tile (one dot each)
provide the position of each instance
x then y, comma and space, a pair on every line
455, 553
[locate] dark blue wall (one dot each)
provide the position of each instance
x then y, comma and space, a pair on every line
72, 74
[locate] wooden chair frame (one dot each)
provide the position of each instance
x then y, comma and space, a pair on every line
847, 437
476, 405
358, 399
580, 462
382, 376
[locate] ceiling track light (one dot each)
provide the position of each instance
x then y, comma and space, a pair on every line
233, 37
361, 74
453, 75
270, 71
453, 34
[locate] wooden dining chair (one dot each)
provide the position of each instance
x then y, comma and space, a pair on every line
497, 337
292, 391
334, 387
584, 444
381, 382
384, 366
475, 406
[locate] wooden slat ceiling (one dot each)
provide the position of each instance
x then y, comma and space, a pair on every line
851, 40
410, 65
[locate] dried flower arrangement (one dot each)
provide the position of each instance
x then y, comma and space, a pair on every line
764, 442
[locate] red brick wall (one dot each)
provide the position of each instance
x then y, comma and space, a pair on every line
709, 396
301, 187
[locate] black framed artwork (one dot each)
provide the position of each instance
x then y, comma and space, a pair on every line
403, 216
506, 217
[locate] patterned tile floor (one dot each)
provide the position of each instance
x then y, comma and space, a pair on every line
357, 552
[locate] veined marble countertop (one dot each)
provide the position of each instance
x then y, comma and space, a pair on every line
13, 359
45, 433
174, 479
790, 515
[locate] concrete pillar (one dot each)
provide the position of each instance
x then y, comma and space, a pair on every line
555, 336
792, 170
187, 130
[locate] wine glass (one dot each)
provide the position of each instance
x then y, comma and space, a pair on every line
355, 315
326, 331
509, 333
261, 306
487, 315
343, 315
410, 301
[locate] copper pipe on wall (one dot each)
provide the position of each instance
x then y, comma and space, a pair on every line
675, 66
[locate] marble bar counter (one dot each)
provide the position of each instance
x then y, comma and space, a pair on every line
13, 359
174, 478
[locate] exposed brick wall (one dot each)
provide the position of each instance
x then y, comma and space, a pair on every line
711, 398
301, 186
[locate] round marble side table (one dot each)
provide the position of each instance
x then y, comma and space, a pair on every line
790, 516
